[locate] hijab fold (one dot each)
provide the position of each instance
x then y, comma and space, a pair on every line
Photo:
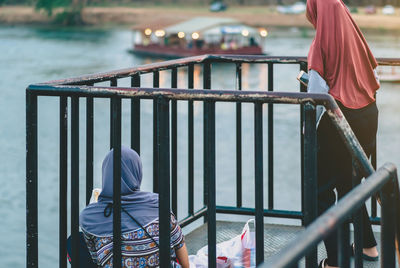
340, 54
143, 206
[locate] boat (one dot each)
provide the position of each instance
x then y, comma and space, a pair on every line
198, 36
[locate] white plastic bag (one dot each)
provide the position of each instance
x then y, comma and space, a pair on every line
234, 253
248, 239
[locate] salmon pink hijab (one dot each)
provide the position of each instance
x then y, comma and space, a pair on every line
340, 54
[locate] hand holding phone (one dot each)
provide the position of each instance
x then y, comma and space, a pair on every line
303, 78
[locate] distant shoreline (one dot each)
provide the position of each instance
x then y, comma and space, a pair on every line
262, 16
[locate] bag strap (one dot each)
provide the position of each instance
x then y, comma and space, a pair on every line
107, 213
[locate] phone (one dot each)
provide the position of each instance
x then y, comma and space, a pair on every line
303, 78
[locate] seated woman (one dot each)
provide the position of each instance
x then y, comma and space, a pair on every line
139, 219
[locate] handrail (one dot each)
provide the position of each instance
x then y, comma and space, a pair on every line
186, 94
100, 77
336, 215
326, 100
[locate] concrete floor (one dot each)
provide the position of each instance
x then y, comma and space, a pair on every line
275, 238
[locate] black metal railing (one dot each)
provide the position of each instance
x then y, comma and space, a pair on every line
384, 180
165, 145
207, 60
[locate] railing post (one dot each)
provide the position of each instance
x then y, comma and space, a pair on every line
207, 106
310, 173
174, 144
116, 130
156, 84
209, 168
303, 88
31, 181
89, 148
270, 140
388, 221
113, 83
190, 143
238, 138
75, 181
373, 199
135, 116
163, 167
259, 186
63, 181
209, 172
358, 224
343, 245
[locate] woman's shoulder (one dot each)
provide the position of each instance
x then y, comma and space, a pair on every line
93, 237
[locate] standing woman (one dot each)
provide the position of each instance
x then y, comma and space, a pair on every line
340, 63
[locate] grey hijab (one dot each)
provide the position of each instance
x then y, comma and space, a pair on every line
143, 206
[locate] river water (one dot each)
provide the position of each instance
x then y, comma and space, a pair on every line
30, 55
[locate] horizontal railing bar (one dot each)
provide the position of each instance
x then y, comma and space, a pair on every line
158, 66
146, 68
288, 214
275, 213
281, 60
255, 59
185, 94
326, 100
375, 220
388, 61
197, 215
331, 219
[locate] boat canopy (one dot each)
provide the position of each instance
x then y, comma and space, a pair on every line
156, 24
200, 25
231, 29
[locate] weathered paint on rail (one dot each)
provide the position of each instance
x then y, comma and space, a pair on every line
185, 94
165, 65
224, 96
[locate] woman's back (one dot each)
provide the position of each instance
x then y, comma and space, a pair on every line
340, 54
138, 249
139, 219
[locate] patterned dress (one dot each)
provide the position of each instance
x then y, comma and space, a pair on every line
138, 250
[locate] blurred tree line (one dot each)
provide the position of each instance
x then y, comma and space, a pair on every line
49, 4
71, 10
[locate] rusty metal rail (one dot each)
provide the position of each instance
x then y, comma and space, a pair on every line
170, 64
223, 96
